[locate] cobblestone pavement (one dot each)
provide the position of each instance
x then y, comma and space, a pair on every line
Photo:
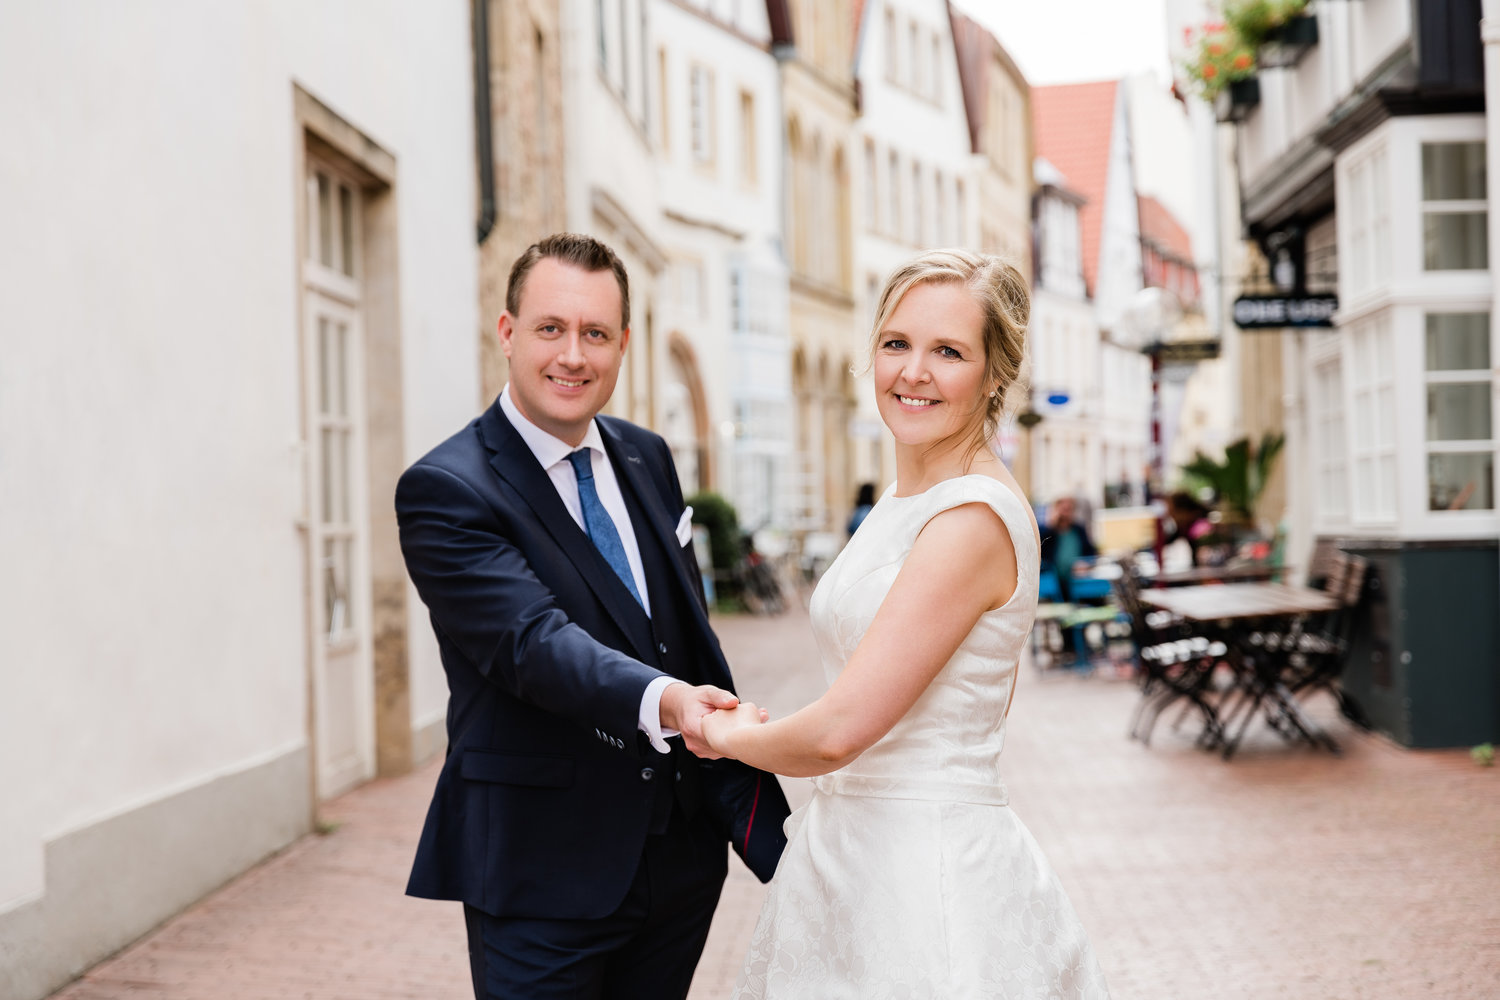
1286, 872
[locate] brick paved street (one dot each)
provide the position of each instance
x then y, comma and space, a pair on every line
1374, 876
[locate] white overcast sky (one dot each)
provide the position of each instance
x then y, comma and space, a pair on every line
1071, 41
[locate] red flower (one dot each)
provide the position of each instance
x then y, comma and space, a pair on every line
1210, 71
1216, 49
1242, 61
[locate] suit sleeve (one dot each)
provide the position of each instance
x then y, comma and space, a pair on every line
485, 599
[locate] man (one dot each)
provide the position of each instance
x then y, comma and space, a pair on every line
1064, 542
552, 548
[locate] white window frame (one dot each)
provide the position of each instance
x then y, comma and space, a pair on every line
1370, 387
1330, 436
1468, 206
1476, 376
892, 47
749, 141
702, 135
918, 205
896, 221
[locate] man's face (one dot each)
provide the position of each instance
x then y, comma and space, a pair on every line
1062, 511
565, 346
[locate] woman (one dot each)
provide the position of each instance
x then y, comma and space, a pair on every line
907, 875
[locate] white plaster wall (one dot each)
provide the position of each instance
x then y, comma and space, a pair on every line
1379, 28
719, 217
1119, 274
153, 621
936, 135
608, 149
1162, 151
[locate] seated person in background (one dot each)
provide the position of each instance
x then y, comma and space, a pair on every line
1188, 521
1064, 542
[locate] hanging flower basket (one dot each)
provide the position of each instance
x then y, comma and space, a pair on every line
1234, 102
1286, 43
1220, 58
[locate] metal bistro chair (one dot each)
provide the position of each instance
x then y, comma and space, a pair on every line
1315, 661
1175, 664
1303, 654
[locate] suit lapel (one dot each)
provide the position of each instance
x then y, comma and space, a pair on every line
513, 462
661, 526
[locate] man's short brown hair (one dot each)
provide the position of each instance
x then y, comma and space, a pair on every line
571, 248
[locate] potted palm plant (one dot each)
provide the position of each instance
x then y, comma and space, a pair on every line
1238, 479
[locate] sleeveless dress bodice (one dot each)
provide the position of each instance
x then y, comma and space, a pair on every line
907, 875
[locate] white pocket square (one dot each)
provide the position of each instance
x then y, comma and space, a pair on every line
685, 527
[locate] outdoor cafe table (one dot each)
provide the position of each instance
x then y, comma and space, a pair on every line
1246, 572
1233, 601
1233, 612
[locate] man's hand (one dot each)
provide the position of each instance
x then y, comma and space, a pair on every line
683, 708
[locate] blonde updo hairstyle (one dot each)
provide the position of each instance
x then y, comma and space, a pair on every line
1001, 293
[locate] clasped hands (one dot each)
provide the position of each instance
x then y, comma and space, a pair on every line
705, 715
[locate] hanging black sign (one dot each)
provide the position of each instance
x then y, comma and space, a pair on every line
1272, 312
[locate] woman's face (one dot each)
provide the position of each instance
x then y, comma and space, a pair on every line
929, 365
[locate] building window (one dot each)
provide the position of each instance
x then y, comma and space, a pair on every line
749, 150
1370, 224
890, 46
1460, 435
872, 192
893, 176
939, 210
935, 90
1454, 210
915, 78
664, 120
624, 81
602, 41
843, 223
1333, 446
918, 205
961, 213
701, 114
1373, 387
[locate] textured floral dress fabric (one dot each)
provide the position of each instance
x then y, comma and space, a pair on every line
907, 874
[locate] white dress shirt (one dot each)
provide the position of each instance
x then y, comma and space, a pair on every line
552, 453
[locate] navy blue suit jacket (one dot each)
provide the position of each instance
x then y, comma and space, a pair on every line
544, 802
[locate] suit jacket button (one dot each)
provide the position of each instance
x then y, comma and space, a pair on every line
647, 774
662, 649
679, 775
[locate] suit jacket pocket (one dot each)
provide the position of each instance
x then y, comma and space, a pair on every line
534, 770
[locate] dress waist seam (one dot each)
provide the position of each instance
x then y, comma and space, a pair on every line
866, 786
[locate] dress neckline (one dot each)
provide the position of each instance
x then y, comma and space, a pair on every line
891, 493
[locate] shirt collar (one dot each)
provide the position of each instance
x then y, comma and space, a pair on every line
548, 450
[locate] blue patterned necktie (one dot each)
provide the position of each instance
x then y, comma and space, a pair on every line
599, 525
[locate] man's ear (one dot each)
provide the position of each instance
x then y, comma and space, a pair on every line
506, 328
624, 339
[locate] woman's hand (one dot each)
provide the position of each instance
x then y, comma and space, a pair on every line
719, 726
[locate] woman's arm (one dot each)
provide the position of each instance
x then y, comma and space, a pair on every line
962, 564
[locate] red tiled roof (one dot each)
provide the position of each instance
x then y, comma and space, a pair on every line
1160, 226
1074, 125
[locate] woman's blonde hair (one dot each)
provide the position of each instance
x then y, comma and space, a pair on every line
1001, 293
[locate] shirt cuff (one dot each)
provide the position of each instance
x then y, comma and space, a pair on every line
650, 719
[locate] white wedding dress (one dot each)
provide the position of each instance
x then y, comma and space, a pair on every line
907, 874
